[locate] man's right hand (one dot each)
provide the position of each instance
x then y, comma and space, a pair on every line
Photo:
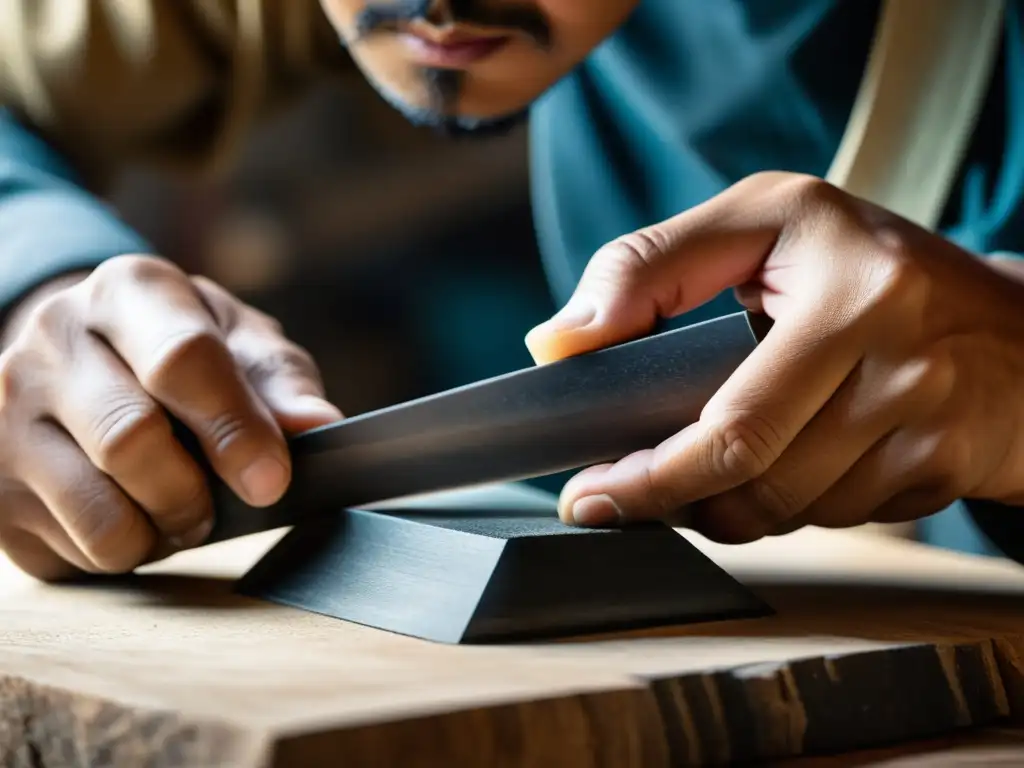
91, 477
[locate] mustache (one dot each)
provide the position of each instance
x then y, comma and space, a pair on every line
388, 15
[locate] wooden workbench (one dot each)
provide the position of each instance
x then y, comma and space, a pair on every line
876, 641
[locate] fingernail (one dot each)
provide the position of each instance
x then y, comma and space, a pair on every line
264, 481
598, 510
311, 405
574, 315
194, 537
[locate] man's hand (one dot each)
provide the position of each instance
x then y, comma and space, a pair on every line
91, 477
890, 385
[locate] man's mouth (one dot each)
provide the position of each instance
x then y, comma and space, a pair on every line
450, 49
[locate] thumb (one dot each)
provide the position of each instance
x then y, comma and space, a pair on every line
655, 273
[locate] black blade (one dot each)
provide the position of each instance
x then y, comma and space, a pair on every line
538, 421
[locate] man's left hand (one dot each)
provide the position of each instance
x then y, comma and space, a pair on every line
890, 385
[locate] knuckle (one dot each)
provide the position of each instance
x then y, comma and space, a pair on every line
945, 462
288, 360
774, 502
637, 250
745, 446
264, 322
812, 193
929, 381
15, 370
114, 274
220, 303
124, 432
109, 533
628, 259
133, 267
227, 303
209, 287
52, 323
194, 350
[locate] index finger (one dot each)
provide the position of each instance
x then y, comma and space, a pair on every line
669, 268
741, 432
283, 374
157, 323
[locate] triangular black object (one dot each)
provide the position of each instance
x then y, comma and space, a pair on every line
502, 568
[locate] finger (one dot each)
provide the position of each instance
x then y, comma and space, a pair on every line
100, 520
743, 430
163, 331
24, 512
287, 380
32, 555
907, 506
283, 374
750, 296
901, 507
128, 436
905, 465
672, 267
870, 403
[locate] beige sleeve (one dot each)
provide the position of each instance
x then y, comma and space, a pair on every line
174, 83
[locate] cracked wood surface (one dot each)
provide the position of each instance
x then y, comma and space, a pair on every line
876, 641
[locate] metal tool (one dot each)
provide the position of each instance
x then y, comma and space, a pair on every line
538, 421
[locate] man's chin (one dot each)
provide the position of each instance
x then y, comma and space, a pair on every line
454, 126
462, 127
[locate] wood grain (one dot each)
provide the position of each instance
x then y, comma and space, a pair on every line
980, 746
876, 641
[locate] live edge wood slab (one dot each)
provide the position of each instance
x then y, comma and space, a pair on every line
875, 641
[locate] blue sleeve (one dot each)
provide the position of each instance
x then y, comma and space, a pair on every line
49, 224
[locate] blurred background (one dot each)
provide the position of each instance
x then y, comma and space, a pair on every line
405, 262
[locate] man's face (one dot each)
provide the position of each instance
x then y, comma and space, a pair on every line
470, 65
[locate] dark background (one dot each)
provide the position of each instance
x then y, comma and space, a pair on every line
405, 262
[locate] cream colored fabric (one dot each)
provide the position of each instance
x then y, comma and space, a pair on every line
922, 89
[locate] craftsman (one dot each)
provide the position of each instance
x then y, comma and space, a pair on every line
889, 387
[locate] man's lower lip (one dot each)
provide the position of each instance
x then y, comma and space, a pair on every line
455, 54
